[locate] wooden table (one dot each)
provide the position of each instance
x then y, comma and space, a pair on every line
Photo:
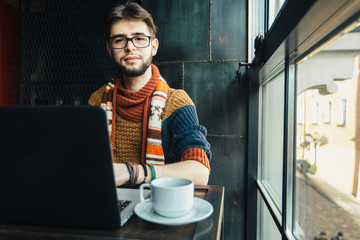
135, 228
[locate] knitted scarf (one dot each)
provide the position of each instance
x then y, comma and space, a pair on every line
145, 105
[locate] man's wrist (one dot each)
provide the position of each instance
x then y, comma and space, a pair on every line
121, 174
141, 175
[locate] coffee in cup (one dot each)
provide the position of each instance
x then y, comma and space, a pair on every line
170, 197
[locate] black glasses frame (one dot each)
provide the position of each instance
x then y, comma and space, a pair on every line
127, 41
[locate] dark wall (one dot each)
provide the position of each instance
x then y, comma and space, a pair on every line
201, 43
63, 60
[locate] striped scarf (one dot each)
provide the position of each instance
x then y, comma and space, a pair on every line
135, 107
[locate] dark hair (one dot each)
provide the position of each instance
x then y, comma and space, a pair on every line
129, 11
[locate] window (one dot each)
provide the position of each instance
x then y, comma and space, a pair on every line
330, 174
256, 27
267, 229
272, 134
342, 106
262, 14
305, 168
328, 111
316, 113
274, 8
301, 113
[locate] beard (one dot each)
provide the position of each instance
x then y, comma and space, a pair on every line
133, 71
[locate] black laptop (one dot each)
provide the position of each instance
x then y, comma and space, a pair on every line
56, 169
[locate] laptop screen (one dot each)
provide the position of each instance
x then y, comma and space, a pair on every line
56, 167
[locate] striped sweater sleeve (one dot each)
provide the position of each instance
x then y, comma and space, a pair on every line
184, 139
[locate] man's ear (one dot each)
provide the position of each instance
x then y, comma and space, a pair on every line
154, 46
109, 50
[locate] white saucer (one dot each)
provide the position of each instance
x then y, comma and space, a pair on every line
201, 210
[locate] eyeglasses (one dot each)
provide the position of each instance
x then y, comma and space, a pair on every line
119, 42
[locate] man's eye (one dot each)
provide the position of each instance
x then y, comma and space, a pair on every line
119, 40
140, 38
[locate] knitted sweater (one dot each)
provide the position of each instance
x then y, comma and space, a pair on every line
182, 136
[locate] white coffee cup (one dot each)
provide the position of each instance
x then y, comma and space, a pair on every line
170, 197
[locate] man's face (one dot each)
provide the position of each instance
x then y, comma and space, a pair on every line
132, 61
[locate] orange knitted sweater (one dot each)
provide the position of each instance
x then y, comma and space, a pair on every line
128, 134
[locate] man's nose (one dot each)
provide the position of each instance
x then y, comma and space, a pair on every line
130, 45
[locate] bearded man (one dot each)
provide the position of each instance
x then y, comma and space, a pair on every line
154, 129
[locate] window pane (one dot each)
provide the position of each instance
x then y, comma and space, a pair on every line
256, 24
267, 227
327, 197
272, 138
274, 8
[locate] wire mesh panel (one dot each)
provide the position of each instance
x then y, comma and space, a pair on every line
63, 56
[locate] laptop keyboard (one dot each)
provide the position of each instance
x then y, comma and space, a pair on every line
123, 203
